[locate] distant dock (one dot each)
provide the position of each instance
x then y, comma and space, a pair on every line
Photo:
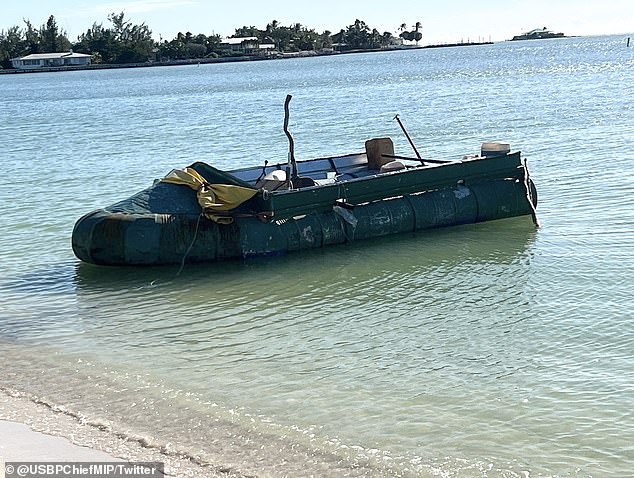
451, 45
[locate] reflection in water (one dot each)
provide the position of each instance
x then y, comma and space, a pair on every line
475, 244
272, 348
486, 350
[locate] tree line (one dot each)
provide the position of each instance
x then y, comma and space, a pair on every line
124, 42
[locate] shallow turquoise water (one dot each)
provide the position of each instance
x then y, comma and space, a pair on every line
486, 350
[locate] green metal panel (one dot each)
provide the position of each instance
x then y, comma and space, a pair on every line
408, 181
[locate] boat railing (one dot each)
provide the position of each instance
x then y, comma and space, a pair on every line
317, 169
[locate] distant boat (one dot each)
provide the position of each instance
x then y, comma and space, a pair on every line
538, 34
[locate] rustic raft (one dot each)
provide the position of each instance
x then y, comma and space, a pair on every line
203, 214
345, 201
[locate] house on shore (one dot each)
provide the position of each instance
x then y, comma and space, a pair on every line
247, 46
46, 60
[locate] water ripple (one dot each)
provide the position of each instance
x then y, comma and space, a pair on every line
486, 350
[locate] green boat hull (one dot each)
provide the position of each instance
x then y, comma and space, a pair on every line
163, 224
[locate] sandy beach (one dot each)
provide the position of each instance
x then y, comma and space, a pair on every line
34, 432
18, 442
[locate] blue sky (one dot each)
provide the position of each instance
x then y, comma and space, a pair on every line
443, 21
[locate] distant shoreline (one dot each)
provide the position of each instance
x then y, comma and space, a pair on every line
234, 59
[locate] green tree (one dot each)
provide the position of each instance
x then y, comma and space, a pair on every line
32, 39
189, 46
213, 44
414, 35
304, 39
52, 40
295, 37
196, 50
124, 42
418, 35
134, 42
11, 45
271, 28
251, 31
99, 42
49, 34
324, 40
357, 35
375, 40
283, 38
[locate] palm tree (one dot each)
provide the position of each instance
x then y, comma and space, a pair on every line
416, 34
403, 35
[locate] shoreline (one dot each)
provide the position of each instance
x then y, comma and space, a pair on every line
233, 59
31, 431
132, 417
20, 442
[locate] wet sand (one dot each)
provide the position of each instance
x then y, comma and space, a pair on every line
34, 432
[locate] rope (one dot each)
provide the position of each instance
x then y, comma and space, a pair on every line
528, 193
191, 245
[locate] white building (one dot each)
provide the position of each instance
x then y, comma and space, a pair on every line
244, 45
42, 60
247, 46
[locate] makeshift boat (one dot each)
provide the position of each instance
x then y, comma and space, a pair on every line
201, 214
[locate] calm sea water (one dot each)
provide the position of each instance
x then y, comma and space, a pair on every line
486, 350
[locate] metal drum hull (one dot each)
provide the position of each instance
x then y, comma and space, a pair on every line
119, 238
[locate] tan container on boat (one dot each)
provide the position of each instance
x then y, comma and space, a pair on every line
377, 149
494, 148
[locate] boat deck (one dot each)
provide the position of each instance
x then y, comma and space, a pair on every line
322, 171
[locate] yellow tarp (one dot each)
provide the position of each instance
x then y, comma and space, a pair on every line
213, 198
